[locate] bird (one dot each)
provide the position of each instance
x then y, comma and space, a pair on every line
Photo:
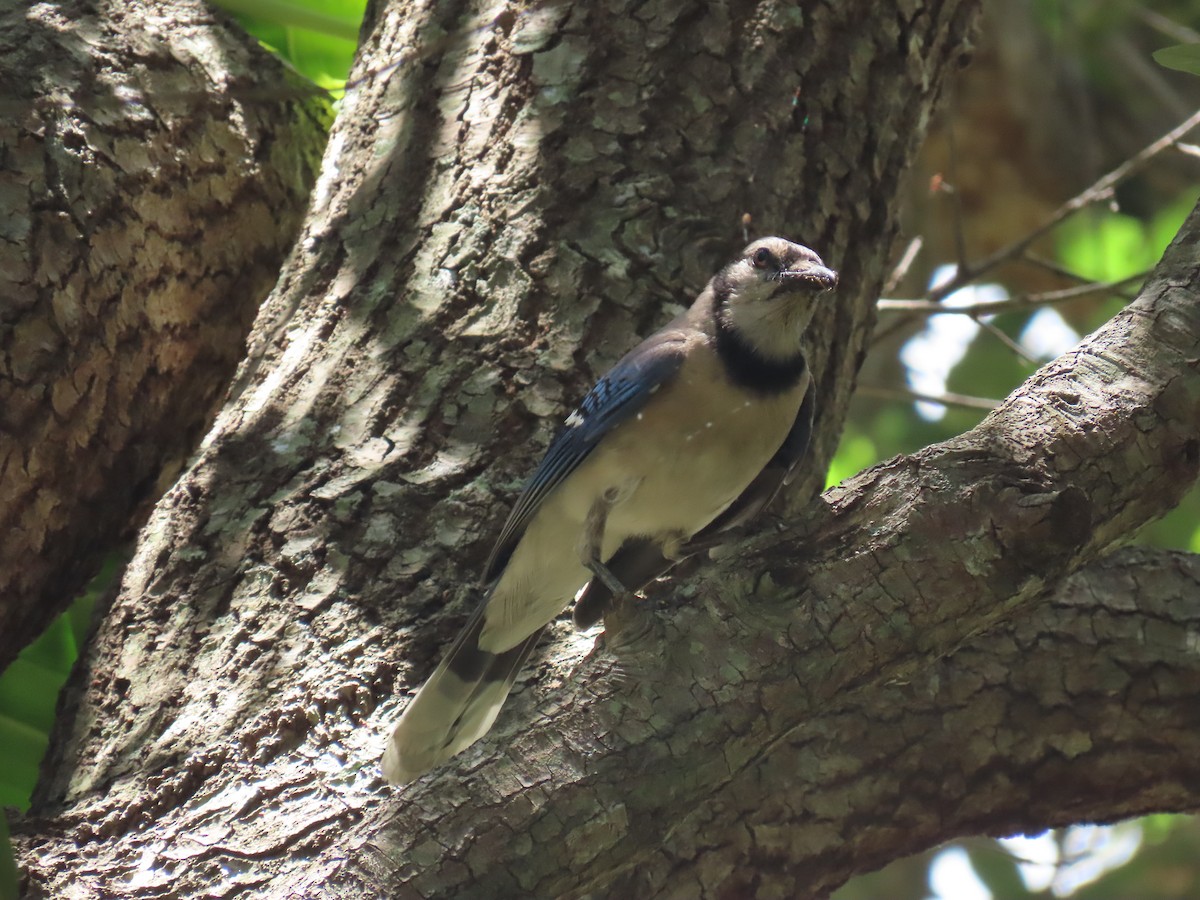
687, 437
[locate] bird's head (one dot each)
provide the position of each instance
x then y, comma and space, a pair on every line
770, 292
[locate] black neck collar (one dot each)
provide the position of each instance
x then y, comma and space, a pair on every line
747, 367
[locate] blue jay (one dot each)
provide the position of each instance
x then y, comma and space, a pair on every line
689, 435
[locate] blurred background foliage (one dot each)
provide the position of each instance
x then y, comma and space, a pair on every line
1058, 93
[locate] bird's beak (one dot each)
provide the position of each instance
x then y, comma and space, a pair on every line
809, 275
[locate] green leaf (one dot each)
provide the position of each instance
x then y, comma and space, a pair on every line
54, 650
333, 19
29, 691
1105, 246
24, 747
855, 452
1167, 221
317, 37
1183, 57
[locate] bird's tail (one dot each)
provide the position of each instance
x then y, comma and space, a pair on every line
456, 706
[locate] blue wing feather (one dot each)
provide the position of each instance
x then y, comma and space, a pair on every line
616, 397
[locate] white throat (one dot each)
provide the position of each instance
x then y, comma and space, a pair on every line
773, 327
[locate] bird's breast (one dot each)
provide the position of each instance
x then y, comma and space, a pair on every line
686, 456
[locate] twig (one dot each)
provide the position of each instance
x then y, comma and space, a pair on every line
994, 330
944, 399
1051, 266
906, 260
1020, 301
1168, 27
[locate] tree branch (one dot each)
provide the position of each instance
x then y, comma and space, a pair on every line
1081, 709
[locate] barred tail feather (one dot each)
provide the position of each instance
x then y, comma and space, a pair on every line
456, 706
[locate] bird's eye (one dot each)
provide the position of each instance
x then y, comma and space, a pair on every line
762, 258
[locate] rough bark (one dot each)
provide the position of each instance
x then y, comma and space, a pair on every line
1082, 710
154, 166
499, 217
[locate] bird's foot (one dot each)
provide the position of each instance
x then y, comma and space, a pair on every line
604, 573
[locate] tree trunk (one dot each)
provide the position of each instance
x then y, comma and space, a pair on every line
149, 187
502, 213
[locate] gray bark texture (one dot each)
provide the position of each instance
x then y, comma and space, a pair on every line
149, 190
940, 646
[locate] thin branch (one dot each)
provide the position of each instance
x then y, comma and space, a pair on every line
1018, 302
945, 399
995, 331
906, 260
1168, 27
1057, 268
1101, 190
